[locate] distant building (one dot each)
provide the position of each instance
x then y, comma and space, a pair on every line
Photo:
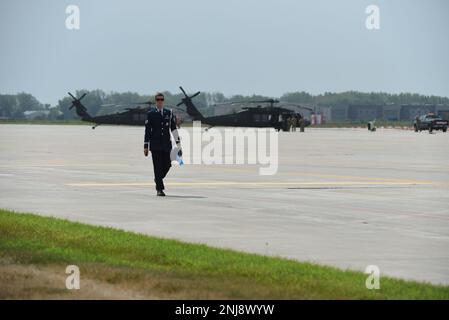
410, 111
365, 113
391, 112
442, 111
325, 112
339, 113
36, 114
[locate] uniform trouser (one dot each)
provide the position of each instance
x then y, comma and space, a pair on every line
161, 165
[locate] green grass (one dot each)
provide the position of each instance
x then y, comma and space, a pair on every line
173, 269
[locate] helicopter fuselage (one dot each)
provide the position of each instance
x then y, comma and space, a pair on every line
258, 117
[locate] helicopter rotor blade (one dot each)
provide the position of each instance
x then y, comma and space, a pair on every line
134, 109
195, 95
296, 105
145, 102
187, 98
272, 101
264, 101
183, 91
231, 103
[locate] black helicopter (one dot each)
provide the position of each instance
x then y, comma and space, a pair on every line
131, 116
259, 116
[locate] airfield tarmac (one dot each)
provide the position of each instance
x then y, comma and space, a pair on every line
343, 197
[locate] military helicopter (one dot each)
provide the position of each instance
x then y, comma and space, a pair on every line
131, 116
259, 116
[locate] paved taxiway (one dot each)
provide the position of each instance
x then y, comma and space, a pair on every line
343, 197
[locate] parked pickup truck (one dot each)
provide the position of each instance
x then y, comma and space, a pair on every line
430, 122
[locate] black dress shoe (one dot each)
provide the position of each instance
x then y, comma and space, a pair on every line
160, 193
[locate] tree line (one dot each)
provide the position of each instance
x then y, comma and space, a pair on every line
361, 98
99, 102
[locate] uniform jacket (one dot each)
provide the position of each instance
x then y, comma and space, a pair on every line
157, 129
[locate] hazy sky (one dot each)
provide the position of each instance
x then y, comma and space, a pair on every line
234, 46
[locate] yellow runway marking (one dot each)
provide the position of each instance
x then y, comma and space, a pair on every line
356, 177
251, 183
320, 175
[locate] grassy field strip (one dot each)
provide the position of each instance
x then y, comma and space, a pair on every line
35, 250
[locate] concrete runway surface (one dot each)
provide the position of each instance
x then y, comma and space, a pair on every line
343, 197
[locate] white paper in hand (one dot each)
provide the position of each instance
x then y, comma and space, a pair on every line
179, 160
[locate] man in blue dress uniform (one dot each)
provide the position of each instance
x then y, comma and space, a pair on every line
160, 122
